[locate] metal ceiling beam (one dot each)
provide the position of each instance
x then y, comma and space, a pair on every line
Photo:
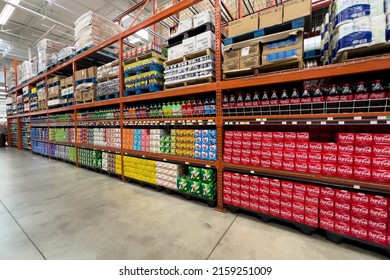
37, 14
47, 32
132, 9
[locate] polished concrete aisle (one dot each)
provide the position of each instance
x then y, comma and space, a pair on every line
53, 210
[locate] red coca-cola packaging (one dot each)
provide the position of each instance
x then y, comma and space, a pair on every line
345, 171
381, 163
313, 190
274, 211
345, 159
342, 207
263, 199
364, 139
228, 143
227, 178
246, 144
362, 173
247, 135
265, 163
381, 139
227, 158
237, 144
274, 183
254, 161
286, 195
311, 210
298, 207
315, 168
266, 154
267, 136
257, 136
285, 204
253, 205
290, 146
256, 153
362, 161
266, 145
326, 213
278, 136
312, 200
287, 186
236, 186
315, 147
379, 214
359, 232
253, 196
329, 158
277, 146
377, 201
227, 187
363, 151
236, 193
331, 148
264, 182
327, 224
236, 177
237, 135
228, 150
298, 197
236, 152
360, 198
358, 210
342, 217
277, 154
256, 145
264, 190
329, 169
377, 226
288, 155
244, 195
359, 222
274, 202
286, 213
300, 188
274, 192
301, 166
245, 161
245, 181
302, 146
315, 157
246, 153
289, 165
380, 176
290, 136
298, 217
254, 183
302, 137
311, 221
277, 164
381, 150
346, 149
229, 134
326, 203
327, 192
377, 237
227, 198
236, 201
264, 209
342, 196
342, 227
302, 156
345, 138
244, 204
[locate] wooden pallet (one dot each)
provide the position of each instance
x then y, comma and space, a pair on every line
190, 83
362, 52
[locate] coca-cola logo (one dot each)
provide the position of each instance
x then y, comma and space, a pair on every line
274, 201
254, 190
277, 164
345, 159
326, 203
311, 210
377, 225
346, 137
264, 181
363, 172
229, 134
227, 158
267, 145
227, 175
254, 180
277, 154
302, 156
315, 157
328, 168
228, 150
311, 200
342, 227
278, 145
236, 176
381, 162
315, 146
246, 143
381, 174
325, 223
315, 168
377, 236
290, 136
361, 96
358, 231
246, 152
346, 149
364, 138
256, 145
363, 150
256, 152
237, 143
379, 95
382, 138
330, 148
245, 160
363, 160
289, 165
266, 154
285, 212
329, 158
237, 134
341, 195
303, 136
247, 134
299, 197
255, 161
382, 150
245, 195
378, 201
287, 185
345, 170
264, 190
311, 190
289, 146
285, 204
236, 185
245, 179
236, 159
360, 198
342, 216
378, 213
228, 142
359, 210
311, 220
359, 221
274, 183
274, 192
326, 213
289, 155
298, 216
265, 162
299, 188
302, 146
274, 211
278, 135
332, 98
267, 135
342, 206
301, 166
298, 207
235, 201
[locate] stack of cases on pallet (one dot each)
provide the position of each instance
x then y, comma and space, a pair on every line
104, 137
168, 174
64, 152
66, 135
355, 156
199, 182
40, 147
90, 158
39, 133
140, 169
112, 163
108, 81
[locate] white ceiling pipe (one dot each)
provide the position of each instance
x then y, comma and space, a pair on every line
37, 14
47, 32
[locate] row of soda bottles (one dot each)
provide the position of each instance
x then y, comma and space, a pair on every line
176, 109
237, 103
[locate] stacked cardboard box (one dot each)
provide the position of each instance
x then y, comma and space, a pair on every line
47, 50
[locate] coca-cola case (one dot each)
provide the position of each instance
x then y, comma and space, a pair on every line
343, 196
263, 208
326, 203
327, 224
359, 210
364, 139
345, 138
274, 211
287, 186
377, 237
359, 232
381, 163
360, 198
327, 192
377, 201
285, 213
342, 217
342, 227
311, 210
253, 205
379, 215
359, 222
380, 176
311, 220
313, 191
227, 198
377, 226
312, 200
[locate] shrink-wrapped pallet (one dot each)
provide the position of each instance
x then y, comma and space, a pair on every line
47, 53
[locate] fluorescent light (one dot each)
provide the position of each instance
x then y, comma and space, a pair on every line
7, 11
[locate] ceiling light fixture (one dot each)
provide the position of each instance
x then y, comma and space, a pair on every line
7, 11
49, 2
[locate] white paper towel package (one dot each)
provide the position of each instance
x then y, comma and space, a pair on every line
347, 10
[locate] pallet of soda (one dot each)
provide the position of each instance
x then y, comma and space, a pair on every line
346, 34
146, 51
147, 82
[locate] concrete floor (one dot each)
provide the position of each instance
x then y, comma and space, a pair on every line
53, 210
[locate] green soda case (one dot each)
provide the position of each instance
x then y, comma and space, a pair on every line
182, 184
195, 187
208, 190
207, 175
195, 173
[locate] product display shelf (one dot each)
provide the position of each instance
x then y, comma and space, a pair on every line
61, 124
310, 178
380, 118
62, 143
98, 123
98, 148
40, 140
170, 158
171, 121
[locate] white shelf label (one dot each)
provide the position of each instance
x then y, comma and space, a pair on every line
252, 172
208, 166
330, 118
373, 122
262, 123
381, 117
341, 122
294, 122
187, 163
388, 122
357, 118
143, 156
308, 122
323, 123
356, 187
226, 123
164, 159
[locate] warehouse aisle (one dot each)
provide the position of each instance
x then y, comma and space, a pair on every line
53, 210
